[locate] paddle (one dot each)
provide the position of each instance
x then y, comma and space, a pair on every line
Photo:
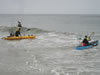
91, 35
28, 29
79, 38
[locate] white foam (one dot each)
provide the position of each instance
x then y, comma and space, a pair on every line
51, 53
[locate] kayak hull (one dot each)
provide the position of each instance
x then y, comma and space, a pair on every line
19, 37
94, 43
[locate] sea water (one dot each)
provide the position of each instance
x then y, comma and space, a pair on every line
53, 51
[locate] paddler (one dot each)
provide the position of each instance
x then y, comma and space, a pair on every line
85, 41
18, 29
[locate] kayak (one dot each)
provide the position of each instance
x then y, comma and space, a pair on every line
94, 43
19, 37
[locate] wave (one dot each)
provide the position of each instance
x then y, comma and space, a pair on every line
46, 38
23, 30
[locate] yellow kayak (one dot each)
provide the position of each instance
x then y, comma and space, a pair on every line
20, 37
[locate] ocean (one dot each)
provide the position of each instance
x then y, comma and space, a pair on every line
53, 51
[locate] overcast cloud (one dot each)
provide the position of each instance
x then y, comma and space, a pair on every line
50, 6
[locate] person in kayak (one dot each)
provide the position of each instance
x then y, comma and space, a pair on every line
11, 34
85, 41
18, 29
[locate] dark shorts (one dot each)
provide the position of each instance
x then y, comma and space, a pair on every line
17, 33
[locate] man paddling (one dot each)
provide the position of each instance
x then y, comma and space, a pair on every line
85, 41
18, 29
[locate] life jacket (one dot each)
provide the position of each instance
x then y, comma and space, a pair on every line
83, 44
88, 39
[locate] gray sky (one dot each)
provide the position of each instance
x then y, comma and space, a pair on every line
50, 6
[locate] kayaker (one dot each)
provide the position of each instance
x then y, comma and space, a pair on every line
85, 41
11, 34
18, 29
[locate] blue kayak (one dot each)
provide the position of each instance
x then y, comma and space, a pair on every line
94, 43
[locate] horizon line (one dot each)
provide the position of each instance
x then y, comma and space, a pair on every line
43, 14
